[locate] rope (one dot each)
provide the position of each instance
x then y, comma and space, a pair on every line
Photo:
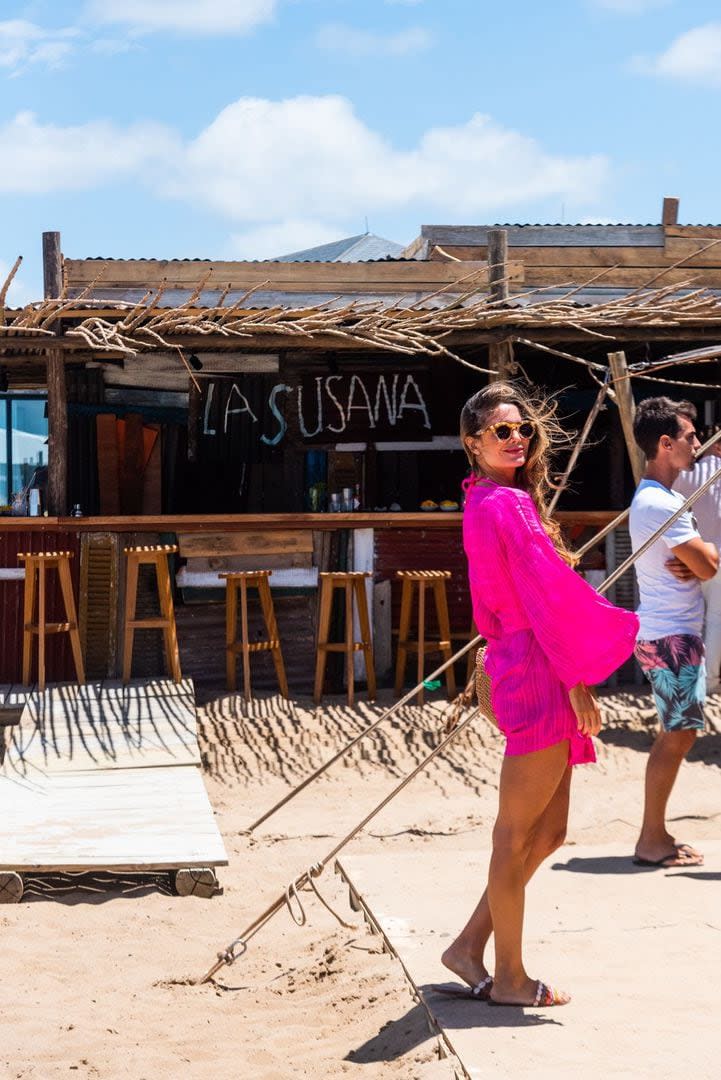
228, 955
366, 731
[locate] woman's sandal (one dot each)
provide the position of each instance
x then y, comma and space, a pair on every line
480, 992
545, 997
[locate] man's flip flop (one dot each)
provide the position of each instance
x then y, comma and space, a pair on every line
545, 997
674, 860
479, 992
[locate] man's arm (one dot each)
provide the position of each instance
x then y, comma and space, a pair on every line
698, 556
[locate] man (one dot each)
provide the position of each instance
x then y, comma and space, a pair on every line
708, 515
669, 647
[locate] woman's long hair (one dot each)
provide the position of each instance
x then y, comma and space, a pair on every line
533, 476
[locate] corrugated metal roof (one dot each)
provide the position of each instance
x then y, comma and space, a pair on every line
425, 299
366, 247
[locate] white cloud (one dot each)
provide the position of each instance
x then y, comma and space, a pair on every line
281, 238
289, 174
631, 7
313, 158
184, 16
23, 44
339, 38
43, 157
694, 56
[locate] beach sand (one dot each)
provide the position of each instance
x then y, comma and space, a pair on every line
100, 984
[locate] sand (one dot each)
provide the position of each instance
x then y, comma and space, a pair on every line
99, 984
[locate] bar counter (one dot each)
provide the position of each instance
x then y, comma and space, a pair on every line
296, 547
360, 519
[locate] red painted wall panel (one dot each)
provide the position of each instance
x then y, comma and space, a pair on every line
421, 549
59, 657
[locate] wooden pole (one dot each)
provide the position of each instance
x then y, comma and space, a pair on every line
57, 391
52, 265
57, 434
627, 410
500, 353
670, 212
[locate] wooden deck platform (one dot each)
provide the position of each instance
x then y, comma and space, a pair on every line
638, 950
105, 777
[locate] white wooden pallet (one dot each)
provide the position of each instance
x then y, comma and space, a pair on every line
106, 777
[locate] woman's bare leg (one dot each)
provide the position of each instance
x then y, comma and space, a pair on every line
465, 956
528, 783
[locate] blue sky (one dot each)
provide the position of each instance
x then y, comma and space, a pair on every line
250, 128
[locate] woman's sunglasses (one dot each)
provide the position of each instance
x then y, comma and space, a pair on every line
503, 430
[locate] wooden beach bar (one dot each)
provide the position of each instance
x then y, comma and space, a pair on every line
301, 418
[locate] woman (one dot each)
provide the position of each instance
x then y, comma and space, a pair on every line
550, 636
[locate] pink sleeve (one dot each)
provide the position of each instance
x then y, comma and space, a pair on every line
584, 637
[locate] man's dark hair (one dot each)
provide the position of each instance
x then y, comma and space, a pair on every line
656, 417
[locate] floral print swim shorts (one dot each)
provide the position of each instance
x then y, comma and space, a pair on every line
676, 669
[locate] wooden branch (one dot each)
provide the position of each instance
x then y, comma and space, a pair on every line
627, 409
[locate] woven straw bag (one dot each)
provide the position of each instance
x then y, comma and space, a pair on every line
483, 686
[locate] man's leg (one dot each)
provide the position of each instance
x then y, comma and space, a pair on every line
667, 753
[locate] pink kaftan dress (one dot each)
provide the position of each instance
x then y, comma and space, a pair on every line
546, 628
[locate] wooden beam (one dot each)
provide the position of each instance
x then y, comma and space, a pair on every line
497, 263
57, 434
627, 410
500, 354
670, 211
367, 277
52, 265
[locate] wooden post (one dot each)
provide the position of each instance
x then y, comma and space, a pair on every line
627, 410
57, 391
52, 265
670, 212
57, 434
500, 353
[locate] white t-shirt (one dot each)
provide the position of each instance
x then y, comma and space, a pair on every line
668, 606
708, 508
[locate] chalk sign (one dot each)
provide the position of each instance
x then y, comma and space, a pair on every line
330, 408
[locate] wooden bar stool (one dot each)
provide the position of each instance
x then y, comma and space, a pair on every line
353, 584
239, 582
435, 581
155, 555
36, 565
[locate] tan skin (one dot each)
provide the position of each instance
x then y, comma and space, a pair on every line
533, 802
695, 559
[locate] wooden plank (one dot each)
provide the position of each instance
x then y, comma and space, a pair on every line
108, 466
549, 235
292, 277
688, 247
213, 363
593, 258
152, 496
249, 543
129, 819
669, 215
73, 729
131, 465
710, 231
281, 560
627, 277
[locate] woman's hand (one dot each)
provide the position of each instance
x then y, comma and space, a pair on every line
585, 706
